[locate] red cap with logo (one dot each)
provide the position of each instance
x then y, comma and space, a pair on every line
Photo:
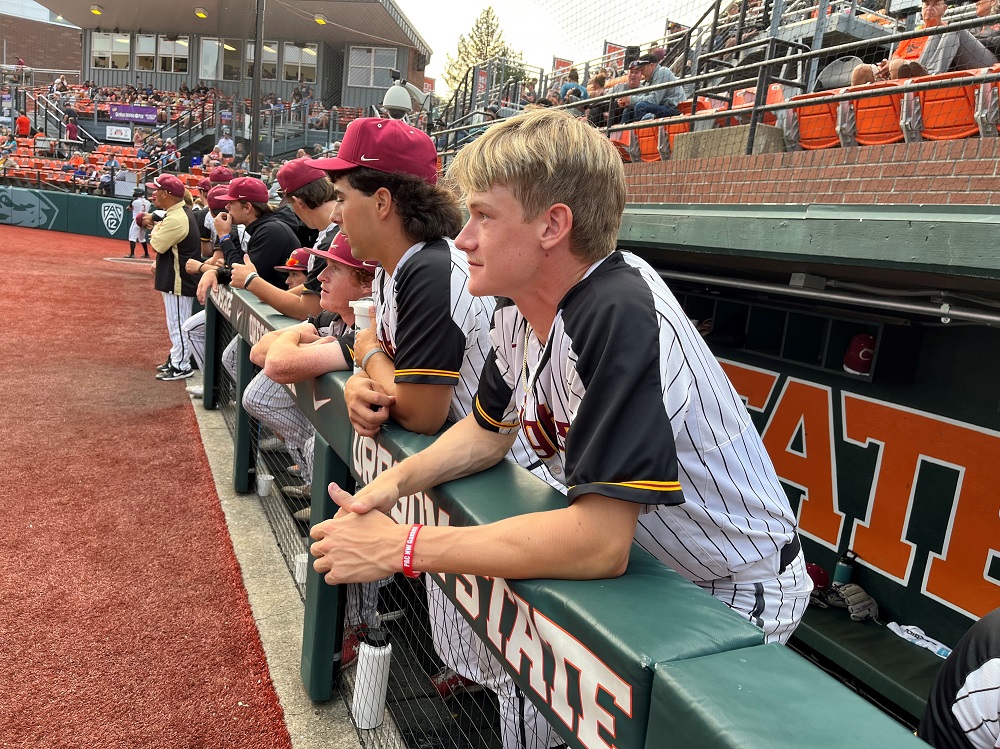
340, 251
169, 184
205, 184
298, 261
858, 359
247, 189
385, 145
298, 173
220, 175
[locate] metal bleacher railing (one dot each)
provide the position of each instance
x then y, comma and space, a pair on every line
638, 661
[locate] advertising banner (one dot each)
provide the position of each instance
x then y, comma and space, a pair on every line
128, 113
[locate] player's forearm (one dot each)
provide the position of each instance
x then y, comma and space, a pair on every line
289, 361
585, 541
466, 448
258, 354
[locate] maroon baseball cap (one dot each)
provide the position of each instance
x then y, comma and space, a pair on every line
169, 184
205, 184
298, 261
858, 359
340, 251
298, 173
216, 198
220, 176
385, 145
247, 189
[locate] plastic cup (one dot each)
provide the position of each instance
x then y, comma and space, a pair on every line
362, 309
264, 483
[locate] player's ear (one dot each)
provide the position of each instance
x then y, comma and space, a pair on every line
383, 202
556, 222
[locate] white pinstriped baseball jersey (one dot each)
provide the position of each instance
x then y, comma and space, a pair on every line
436, 332
625, 400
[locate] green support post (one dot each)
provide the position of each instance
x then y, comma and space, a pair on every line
242, 439
212, 318
322, 628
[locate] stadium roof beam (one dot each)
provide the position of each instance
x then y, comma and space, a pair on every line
382, 20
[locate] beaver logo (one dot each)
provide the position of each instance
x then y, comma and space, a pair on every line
112, 214
27, 208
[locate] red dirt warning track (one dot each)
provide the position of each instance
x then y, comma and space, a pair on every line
123, 617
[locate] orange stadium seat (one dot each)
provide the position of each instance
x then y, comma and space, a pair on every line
947, 113
649, 143
877, 116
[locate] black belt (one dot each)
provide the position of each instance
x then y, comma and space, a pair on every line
788, 553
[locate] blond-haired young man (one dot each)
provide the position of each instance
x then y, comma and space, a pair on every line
595, 360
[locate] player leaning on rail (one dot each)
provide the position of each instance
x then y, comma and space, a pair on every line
618, 393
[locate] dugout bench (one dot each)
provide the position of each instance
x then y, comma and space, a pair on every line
643, 660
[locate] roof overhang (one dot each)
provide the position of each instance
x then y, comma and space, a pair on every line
368, 21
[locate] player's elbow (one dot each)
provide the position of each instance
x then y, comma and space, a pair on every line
278, 370
428, 424
611, 559
258, 356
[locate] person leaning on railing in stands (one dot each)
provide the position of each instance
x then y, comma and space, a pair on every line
626, 404
928, 55
655, 104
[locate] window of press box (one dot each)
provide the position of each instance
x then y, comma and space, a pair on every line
220, 59
268, 64
370, 66
145, 52
172, 53
110, 51
300, 62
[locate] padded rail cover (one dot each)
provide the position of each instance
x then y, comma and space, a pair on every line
763, 698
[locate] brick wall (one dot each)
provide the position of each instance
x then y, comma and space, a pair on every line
937, 173
41, 45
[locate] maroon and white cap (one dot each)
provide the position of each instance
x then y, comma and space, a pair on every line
340, 251
298, 261
247, 189
858, 359
169, 184
387, 146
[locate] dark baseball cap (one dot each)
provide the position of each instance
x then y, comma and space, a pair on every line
386, 146
298, 173
247, 189
169, 184
647, 59
298, 261
205, 184
340, 251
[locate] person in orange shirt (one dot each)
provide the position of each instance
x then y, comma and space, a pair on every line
22, 125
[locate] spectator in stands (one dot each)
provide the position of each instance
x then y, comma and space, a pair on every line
598, 113
954, 50
572, 86
22, 125
963, 710
8, 143
226, 145
988, 36
660, 103
621, 110
72, 130
320, 118
170, 156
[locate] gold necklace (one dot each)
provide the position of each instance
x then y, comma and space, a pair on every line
524, 361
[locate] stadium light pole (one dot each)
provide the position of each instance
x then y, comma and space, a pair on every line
258, 53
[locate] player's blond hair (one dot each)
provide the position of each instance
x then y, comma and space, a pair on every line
543, 158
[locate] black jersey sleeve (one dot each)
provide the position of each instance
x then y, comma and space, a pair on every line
430, 345
346, 341
619, 441
496, 409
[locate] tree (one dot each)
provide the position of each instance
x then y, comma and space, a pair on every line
483, 42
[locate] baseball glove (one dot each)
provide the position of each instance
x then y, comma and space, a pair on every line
858, 603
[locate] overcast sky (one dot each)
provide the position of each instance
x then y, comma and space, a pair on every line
573, 29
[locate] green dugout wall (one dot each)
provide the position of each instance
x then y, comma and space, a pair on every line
67, 212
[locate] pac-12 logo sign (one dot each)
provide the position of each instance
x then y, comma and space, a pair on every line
112, 214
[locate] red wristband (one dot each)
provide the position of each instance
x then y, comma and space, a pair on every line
411, 541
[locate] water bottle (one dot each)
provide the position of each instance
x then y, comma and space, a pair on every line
844, 570
371, 679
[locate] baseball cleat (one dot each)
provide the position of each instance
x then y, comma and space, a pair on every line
448, 683
174, 374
